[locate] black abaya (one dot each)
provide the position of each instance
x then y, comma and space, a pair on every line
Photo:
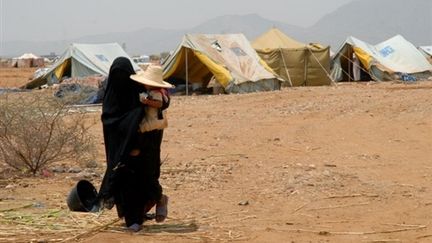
130, 182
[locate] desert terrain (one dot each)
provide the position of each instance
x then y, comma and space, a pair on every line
344, 163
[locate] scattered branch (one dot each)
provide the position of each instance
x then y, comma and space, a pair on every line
341, 206
357, 232
352, 195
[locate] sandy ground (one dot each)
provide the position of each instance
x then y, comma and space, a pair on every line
351, 163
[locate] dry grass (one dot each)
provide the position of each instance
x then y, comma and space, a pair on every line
15, 77
316, 164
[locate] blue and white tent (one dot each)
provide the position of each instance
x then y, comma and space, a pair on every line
388, 60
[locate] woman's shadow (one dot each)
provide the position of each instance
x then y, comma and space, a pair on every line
170, 228
167, 227
179, 227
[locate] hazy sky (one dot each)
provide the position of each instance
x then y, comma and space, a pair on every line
63, 19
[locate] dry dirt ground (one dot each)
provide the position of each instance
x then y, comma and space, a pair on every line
346, 163
15, 77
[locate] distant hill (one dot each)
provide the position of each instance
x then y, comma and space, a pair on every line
375, 21
370, 20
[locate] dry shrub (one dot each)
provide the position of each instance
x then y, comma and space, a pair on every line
36, 131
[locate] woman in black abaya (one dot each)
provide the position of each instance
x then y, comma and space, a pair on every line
130, 182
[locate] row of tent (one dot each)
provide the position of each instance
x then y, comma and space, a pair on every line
271, 61
239, 66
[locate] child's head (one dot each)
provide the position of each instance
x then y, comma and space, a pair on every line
151, 78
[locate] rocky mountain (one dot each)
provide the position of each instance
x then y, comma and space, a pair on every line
370, 20
375, 21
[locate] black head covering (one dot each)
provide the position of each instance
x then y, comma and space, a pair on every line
121, 114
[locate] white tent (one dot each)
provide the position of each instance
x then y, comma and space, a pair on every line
28, 56
81, 60
427, 52
385, 61
27, 60
426, 49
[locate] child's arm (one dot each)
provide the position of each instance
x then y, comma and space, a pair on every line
152, 103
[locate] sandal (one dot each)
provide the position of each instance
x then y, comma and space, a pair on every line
135, 227
148, 206
162, 209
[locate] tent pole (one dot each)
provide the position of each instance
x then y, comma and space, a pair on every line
359, 66
187, 73
286, 68
347, 74
305, 73
350, 66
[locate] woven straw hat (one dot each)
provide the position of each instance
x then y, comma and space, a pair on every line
151, 77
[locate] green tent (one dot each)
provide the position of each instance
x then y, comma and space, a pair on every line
295, 62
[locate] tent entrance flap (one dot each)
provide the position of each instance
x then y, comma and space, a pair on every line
63, 69
175, 67
221, 74
190, 68
200, 69
363, 57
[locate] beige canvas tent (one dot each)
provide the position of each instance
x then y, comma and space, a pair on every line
295, 62
229, 59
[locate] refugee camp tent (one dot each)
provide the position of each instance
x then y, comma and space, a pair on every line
389, 60
81, 60
228, 58
295, 62
28, 56
427, 52
27, 60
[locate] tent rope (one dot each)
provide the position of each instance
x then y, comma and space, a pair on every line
359, 66
187, 72
286, 68
347, 74
323, 68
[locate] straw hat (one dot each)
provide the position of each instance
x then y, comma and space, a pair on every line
151, 77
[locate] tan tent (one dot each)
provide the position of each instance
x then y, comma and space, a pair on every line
295, 62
